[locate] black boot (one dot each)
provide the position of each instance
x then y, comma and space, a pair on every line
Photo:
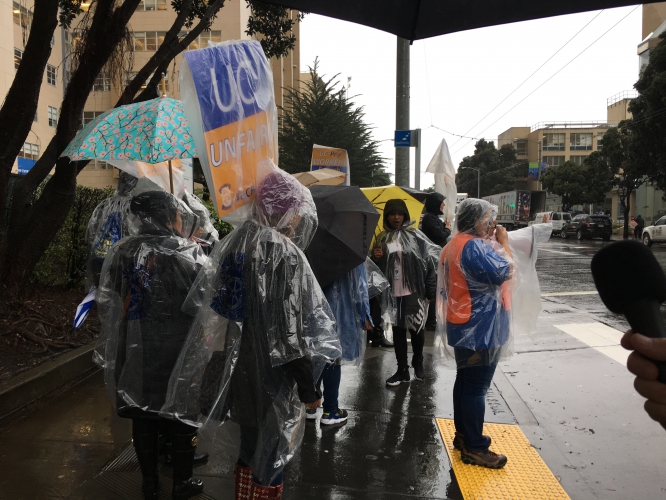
145, 439
200, 457
380, 339
183, 449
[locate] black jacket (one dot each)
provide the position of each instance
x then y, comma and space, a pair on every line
431, 225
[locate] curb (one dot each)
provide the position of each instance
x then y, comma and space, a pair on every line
24, 392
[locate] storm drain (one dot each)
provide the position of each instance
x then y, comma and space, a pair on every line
122, 476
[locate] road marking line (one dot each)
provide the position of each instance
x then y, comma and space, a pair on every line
565, 294
557, 251
525, 475
603, 338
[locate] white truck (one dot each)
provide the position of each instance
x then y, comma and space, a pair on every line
515, 207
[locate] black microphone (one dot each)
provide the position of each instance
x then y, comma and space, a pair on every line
630, 281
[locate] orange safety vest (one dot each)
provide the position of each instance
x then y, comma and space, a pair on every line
459, 299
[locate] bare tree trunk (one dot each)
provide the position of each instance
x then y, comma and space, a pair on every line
20, 104
33, 227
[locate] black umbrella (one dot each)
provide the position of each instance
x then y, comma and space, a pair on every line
419, 195
347, 223
418, 19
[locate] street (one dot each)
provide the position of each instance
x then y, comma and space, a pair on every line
566, 387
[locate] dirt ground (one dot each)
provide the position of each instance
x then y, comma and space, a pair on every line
38, 327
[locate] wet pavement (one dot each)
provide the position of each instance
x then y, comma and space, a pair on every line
576, 405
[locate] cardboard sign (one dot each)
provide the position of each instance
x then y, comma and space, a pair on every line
333, 158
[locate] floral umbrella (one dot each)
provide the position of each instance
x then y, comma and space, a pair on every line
152, 131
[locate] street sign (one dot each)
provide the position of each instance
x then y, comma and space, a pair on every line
403, 138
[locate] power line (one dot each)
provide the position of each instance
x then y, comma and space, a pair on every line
535, 71
552, 76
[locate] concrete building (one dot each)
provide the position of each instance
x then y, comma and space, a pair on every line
149, 24
15, 22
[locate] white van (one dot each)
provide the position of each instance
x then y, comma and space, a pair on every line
557, 219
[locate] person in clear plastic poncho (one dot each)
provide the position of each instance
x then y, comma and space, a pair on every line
205, 235
474, 312
107, 226
262, 334
143, 284
379, 289
409, 260
348, 298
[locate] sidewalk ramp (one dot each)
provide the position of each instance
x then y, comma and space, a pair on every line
524, 477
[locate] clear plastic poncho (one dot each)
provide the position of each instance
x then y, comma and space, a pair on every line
206, 234
475, 281
144, 282
107, 226
409, 262
262, 334
348, 298
378, 286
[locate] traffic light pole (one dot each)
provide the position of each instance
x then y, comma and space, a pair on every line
402, 110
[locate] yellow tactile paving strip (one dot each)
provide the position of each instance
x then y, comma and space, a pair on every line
524, 477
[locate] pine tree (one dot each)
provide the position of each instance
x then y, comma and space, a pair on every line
320, 114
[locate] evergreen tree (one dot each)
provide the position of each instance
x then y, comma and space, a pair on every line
322, 115
498, 168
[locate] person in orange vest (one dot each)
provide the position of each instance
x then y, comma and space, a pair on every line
474, 310
409, 261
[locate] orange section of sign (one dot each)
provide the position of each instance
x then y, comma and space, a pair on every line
335, 158
233, 153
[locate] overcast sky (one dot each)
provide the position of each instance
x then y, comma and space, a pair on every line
456, 79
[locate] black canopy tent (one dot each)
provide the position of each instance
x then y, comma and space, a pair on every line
418, 19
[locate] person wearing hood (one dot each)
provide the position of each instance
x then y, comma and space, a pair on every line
108, 224
262, 334
431, 225
409, 260
143, 284
474, 313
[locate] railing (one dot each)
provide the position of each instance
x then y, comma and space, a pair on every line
571, 125
627, 94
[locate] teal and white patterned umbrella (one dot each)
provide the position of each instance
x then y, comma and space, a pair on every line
152, 131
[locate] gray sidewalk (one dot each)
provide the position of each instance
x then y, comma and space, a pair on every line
75, 447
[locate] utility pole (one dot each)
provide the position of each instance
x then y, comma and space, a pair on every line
417, 160
402, 110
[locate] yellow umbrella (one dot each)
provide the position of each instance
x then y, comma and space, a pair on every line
378, 196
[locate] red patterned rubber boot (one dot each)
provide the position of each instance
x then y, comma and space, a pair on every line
243, 482
266, 492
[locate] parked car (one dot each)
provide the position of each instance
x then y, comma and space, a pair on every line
585, 226
655, 232
557, 219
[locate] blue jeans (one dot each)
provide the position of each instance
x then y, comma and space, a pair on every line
469, 398
331, 378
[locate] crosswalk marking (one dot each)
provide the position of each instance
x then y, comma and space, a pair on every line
601, 337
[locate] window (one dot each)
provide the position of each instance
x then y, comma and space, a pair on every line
152, 5
577, 160
53, 116
580, 142
22, 16
30, 151
102, 82
98, 165
51, 74
129, 76
521, 147
600, 137
553, 142
566, 217
661, 222
148, 41
201, 41
555, 216
553, 161
18, 56
89, 116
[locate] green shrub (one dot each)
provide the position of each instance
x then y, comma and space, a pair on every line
222, 227
64, 262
